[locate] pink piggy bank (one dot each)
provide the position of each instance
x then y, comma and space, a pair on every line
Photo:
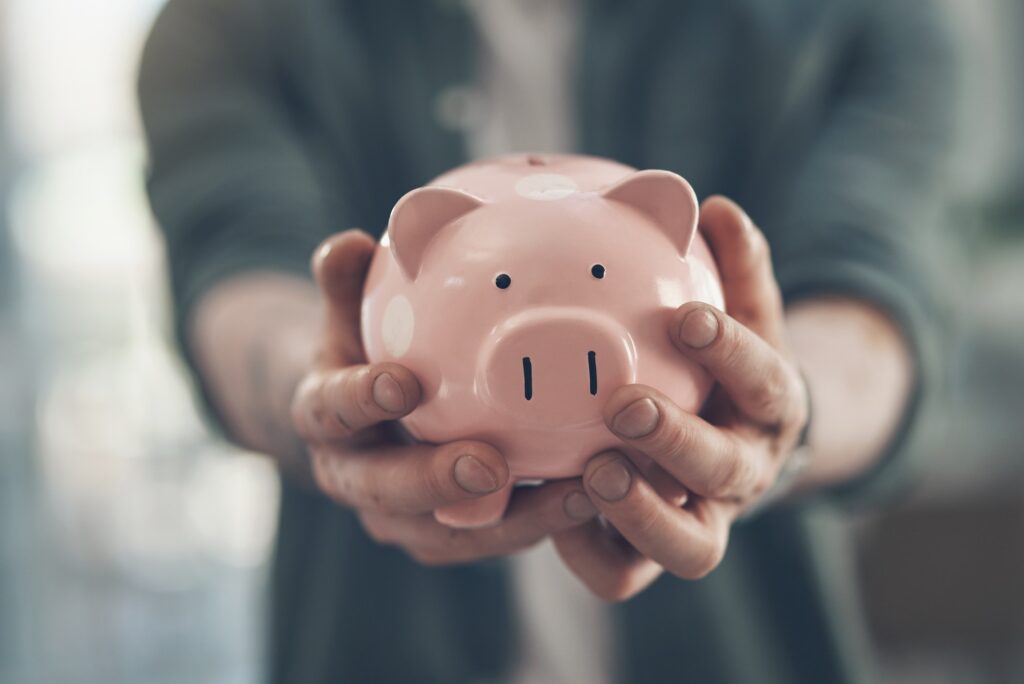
522, 291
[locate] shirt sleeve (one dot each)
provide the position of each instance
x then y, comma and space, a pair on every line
864, 211
231, 185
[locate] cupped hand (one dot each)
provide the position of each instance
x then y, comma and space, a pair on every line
725, 458
345, 410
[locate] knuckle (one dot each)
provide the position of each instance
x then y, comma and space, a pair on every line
492, 549
512, 541
505, 539
459, 539
330, 481
614, 588
345, 490
376, 531
759, 487
773, 293
321, 474
318, 418
731, 348
760, 244
304, 419
758, 248
799, 410
342, 429
297, 418
709, 559
369, 494
674, 438
750, 255
307, 389
499, 536
426, 557
731, 476
646, 521
747, 313
771, 397
352, 490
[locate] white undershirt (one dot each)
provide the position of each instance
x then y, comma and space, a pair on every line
526, 97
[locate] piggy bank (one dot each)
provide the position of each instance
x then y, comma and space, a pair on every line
523, 290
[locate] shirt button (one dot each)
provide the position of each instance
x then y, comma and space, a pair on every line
460, 108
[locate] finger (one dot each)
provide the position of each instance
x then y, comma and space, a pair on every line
606, 564
668, 487
534, 513
744, 263
708, 460
758, 379
339, 266
482, 512
336, 404
408, 479
688, 542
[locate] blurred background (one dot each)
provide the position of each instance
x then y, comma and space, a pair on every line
134, 543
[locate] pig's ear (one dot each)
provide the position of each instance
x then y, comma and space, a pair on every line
665, 198
419, 216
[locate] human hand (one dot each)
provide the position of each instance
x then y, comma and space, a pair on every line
725, 459
345, 411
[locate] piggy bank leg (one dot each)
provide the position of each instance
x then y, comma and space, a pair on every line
481, 512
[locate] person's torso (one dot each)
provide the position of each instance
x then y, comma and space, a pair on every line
387, 95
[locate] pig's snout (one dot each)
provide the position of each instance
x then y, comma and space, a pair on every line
553, 367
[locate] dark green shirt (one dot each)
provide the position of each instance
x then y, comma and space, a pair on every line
274, 123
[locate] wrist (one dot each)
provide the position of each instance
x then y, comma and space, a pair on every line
858, 372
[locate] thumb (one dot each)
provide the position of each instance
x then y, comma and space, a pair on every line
339, 266
744, 262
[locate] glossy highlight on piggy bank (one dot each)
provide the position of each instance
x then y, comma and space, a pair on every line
523, 290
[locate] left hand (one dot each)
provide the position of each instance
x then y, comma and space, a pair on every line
725, 460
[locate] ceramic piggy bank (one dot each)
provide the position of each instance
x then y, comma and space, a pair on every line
522, 291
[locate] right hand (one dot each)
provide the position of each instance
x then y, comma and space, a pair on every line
344, 409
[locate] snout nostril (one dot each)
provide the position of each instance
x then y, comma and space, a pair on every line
592, 365
527, 378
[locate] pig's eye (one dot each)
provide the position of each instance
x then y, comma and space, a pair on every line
597, 270
503, 281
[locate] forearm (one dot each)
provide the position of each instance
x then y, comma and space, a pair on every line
859, 373
232, 183
253, 337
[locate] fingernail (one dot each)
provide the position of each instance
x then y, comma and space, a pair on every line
577, 506
636, 420
611, 481
698, 329
474, 476
388, 394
